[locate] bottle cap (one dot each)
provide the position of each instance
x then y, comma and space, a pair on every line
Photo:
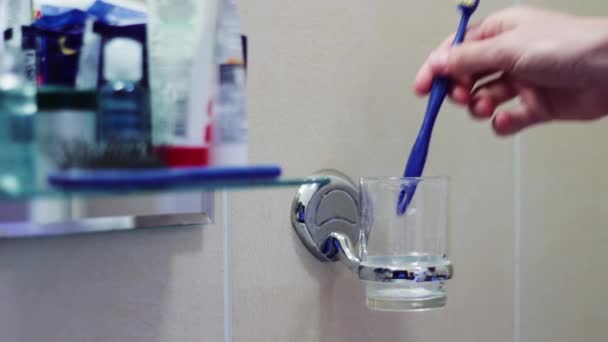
123, 60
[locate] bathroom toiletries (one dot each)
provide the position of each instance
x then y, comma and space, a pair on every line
28, 49
22, 41
54, 7
125, 14
58, 55
113, 21
45, 10
88, 64
181, 41
123, 111
60, 39
17, 110
107, 32
230, 127
65, 126
20, 12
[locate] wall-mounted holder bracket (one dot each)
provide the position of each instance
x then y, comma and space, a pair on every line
322, 213
326, 219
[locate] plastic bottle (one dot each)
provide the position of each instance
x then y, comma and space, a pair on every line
181, 42
123, 111
17, 110
88, 64
230, 127
20, 12
229, 146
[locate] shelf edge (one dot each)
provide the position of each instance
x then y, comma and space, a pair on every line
30, 230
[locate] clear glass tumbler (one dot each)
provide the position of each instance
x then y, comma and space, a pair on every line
404, 257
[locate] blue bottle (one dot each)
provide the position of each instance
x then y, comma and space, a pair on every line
123, 116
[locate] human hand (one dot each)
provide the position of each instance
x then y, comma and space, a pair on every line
555, 64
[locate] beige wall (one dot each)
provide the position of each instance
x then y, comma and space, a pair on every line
330, 85
564, 224
148, 286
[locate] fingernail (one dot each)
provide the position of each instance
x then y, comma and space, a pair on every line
502, 124
478, 108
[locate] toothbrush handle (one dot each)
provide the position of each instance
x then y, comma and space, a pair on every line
415, 165
420, 151
439, 91
418, 156
462, 28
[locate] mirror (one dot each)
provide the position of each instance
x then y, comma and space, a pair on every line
55, 55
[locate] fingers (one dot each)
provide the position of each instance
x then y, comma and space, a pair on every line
424, 78
426, 74
461, 94
494, 25
489, 96
479, 57
484, 51
534, 108
513, 121
433, 67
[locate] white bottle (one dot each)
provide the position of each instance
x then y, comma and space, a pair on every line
123, 115
181, 40
20, 12
229, 145
88, 64
230, 134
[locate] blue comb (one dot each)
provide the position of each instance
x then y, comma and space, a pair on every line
439, 90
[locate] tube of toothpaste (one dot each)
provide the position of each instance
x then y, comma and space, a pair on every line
181, 42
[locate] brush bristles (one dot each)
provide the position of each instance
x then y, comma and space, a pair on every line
467, 3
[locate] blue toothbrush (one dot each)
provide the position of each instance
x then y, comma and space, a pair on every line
441, 86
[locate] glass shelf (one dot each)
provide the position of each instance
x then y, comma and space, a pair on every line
28, 230
233, 185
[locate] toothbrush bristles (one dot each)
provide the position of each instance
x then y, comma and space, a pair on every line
467, 3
